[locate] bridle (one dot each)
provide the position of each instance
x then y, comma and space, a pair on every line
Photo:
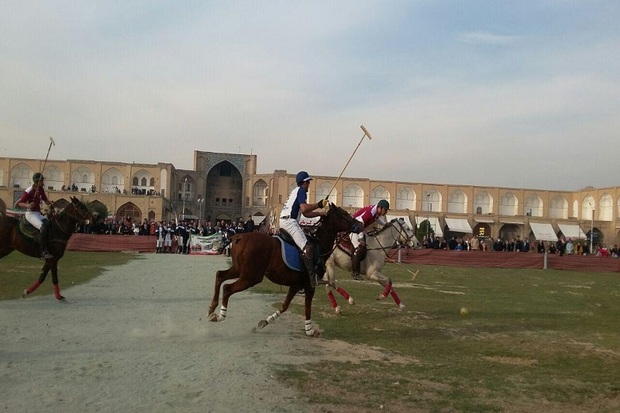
338, 235
72, 212
401, 230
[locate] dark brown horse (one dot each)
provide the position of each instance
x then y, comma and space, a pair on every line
256, 255
63, 226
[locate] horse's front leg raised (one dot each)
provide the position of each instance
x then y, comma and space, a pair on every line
220, 277
273, 317
39, 281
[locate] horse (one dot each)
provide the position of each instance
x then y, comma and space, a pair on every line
63, 225
379, 243
256, 255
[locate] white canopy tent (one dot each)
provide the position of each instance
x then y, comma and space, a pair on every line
405, 218
543, 231
572, 231
459, 225
435, 225
258, 219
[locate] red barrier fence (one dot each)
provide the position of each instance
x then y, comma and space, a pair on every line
506, 259
90, 242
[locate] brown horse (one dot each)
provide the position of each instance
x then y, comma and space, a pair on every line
63, 226
256, 255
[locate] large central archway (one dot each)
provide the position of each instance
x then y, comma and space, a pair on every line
224, 191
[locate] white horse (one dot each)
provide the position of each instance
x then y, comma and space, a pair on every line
379, 243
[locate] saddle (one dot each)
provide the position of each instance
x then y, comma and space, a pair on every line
291, 254
27, 229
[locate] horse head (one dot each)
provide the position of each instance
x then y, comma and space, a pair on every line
78, 211
407, 235
338, 220
399, 233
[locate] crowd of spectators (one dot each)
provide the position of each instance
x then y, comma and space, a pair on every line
178, 233
562, 247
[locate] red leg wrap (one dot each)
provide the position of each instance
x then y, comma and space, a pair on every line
388, 288
57, 292
395, 297
34, 287
332, 300
343, 293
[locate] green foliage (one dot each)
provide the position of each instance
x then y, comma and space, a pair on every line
98, 210
532, 338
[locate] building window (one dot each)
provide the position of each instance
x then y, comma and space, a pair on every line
217, 202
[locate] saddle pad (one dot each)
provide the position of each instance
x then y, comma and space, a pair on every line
27, 229
290, 254
346, 245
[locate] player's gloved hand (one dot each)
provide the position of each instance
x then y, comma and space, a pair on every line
323, 203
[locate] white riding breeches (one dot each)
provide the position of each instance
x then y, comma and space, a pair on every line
35, 218
357, 238
291, 226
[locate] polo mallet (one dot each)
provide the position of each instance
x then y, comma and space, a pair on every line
366, 133
48, 152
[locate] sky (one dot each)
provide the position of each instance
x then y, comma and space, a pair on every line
493, 93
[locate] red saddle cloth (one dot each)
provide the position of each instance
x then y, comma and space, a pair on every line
345, 243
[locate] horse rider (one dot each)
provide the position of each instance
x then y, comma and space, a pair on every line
367, 216
295, 205
31, 202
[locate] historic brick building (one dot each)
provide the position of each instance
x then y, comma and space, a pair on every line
224, 186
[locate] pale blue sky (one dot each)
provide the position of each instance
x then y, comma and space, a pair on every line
497, 93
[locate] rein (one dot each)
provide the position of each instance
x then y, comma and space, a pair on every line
73, 214
400, 230
339, 236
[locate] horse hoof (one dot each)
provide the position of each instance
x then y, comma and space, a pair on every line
61, 298
24, 293
351, 300
212, 317
380, 297
316, 334
262, 324
401, 306
337, 309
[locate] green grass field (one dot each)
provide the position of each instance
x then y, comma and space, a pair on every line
534, 340
18, 271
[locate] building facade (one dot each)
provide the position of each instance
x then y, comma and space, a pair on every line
224, 186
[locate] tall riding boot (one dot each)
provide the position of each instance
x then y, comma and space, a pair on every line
43, 240
309, 264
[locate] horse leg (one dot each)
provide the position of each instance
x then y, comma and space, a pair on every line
386, 282
241, 284
287, 301
55, 284
220, 277
39, 281
309, 327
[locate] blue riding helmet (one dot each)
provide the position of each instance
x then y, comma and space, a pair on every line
37, 177
302, 176
383, 204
